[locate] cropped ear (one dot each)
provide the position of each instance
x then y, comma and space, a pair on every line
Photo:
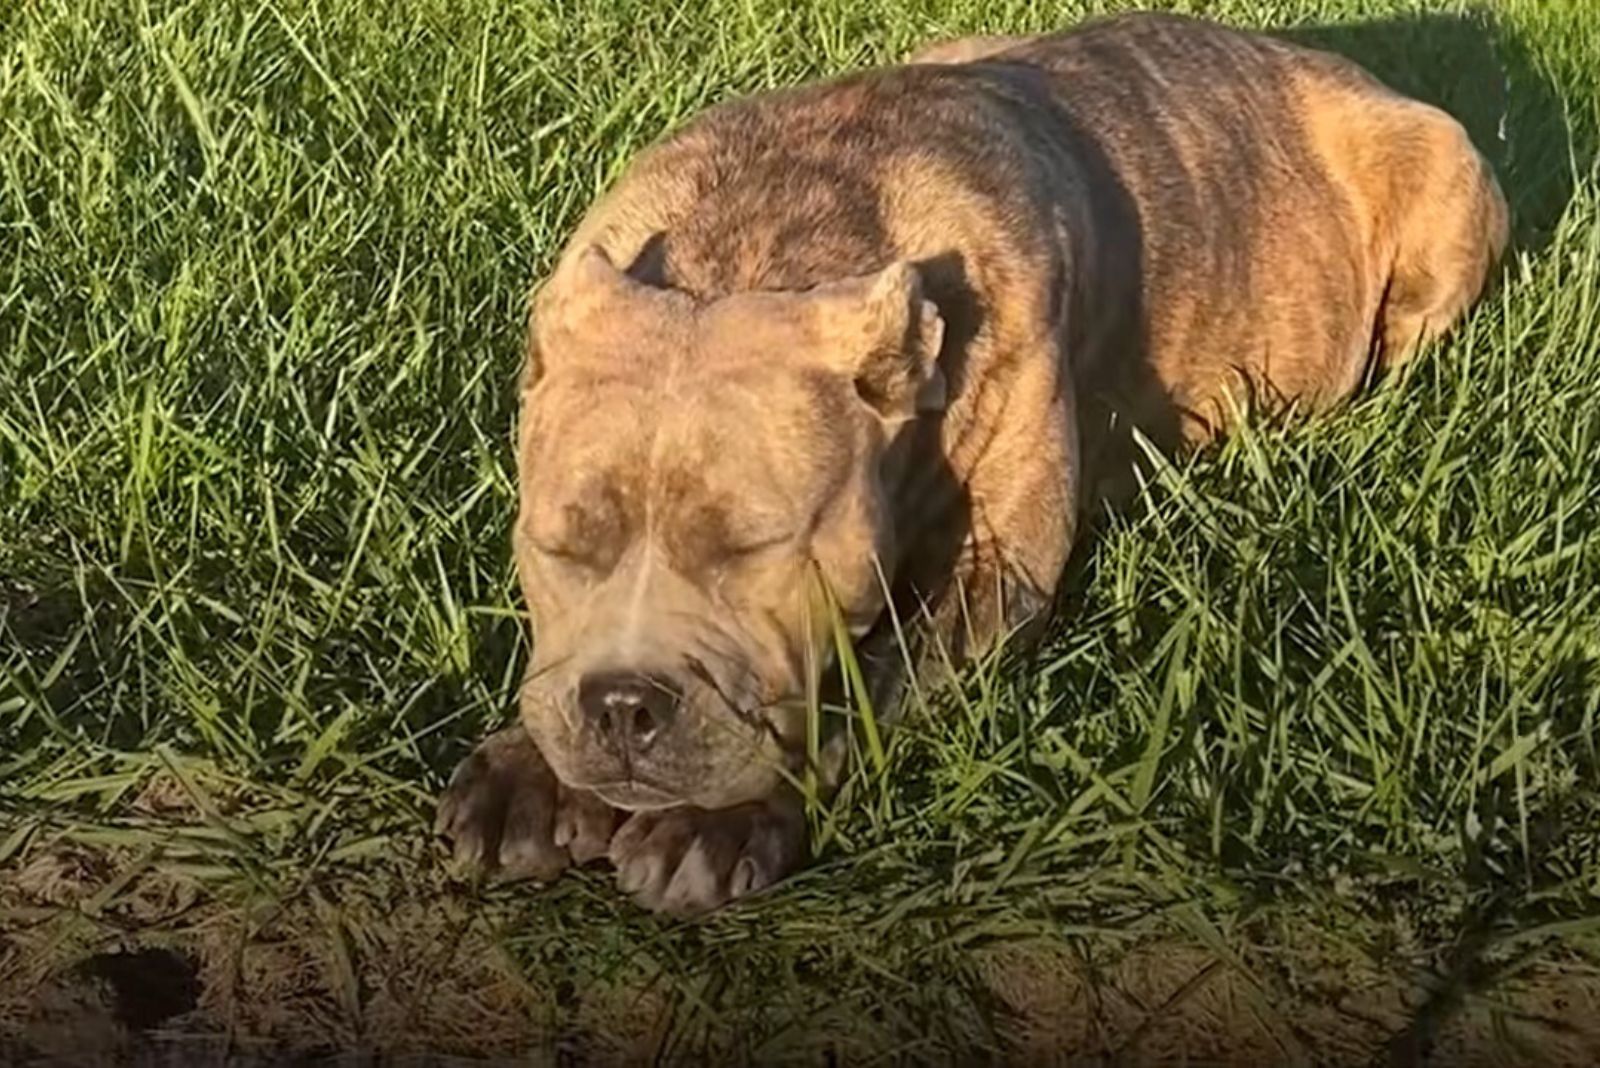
887, 335
532, 368
590, 306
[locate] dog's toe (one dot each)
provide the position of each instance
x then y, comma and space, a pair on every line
504, 811
686, 861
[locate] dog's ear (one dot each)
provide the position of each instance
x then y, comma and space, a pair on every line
887, 335
532, 368
589, 306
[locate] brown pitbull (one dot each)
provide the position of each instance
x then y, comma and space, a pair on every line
856, 337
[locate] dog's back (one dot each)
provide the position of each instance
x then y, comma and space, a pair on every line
1216, 216
1297, 220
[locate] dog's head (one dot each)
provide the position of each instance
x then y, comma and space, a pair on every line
691, 474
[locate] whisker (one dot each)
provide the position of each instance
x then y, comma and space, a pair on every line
756, 717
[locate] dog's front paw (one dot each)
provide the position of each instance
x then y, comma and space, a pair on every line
506, 815
691, 860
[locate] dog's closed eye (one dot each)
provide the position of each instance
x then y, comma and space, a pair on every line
755, 545
593, 557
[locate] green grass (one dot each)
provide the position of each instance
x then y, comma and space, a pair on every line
1322, 706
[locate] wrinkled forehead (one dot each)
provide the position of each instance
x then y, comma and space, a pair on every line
766, 437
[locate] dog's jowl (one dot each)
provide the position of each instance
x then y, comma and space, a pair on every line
861, 336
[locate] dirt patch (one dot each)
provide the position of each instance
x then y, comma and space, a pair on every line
105, 959
98, 947
146, 987
1157, 1004
1176, 1003
97, 1009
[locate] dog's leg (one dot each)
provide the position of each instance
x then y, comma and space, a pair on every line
1024, 517
991, 603
506, 815
1452, 231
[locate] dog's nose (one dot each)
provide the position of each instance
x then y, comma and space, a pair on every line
628, 710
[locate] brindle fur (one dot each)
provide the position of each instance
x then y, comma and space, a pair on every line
900, 308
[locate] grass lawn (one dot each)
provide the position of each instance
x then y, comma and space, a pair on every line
1306, 771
